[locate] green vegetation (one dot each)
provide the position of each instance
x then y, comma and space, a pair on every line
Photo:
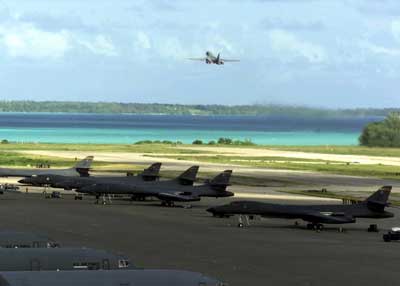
134, 148
340, 150
299, 164
10, 156
168, 142
12, 159
197, 142
226, 141
382, 134
179, 109
25, 160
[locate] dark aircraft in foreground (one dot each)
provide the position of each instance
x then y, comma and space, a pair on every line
36, 259
15, 239
80, 169
177, 190
316, 215
69, 183
210, 58
154, 277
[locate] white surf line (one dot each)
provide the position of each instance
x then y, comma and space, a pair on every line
283, 197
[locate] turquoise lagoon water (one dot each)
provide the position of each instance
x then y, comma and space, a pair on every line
106, 128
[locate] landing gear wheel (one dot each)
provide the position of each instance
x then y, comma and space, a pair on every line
373, 228
319, 226
310, 226
386, 238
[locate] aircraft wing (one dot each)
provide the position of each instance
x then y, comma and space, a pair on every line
178, 197
197, 59
327, 217
229, 60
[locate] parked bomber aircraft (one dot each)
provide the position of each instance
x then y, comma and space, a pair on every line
178, 190
15, 239
154, 277
316, 215
35, 259
69, 183
212, 59
80, 169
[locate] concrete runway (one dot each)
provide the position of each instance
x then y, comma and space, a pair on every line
270, 252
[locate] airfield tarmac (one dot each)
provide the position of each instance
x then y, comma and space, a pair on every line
270, 252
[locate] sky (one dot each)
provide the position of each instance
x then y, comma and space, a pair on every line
337, 54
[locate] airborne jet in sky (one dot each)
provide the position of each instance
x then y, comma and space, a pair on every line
315, 215
167, 191
69, 183
210, 58
150, 277
80, 169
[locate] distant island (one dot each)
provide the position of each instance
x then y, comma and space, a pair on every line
180, 109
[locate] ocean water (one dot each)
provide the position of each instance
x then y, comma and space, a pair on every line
122, 128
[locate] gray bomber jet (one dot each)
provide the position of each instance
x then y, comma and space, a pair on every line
69, 183
177, 190
36, 259
210, 58
315, 215
15, 239
80, 169
153, 277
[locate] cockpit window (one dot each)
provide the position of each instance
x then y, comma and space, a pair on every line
123, 263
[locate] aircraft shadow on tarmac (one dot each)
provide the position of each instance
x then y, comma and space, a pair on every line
291, 226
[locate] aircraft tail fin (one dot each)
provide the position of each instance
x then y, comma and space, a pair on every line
188, 177
151, 173
379, 200
83, 166
221, 181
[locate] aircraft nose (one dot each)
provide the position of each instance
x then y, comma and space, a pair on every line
211, 210
23, 181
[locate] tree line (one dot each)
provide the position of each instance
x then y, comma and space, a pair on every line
385, 133
180, 109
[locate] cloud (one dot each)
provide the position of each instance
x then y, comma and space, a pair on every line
288, 24
100, 46
25, 40
142, 41
380, 8
289, 46
56, 22
395, 27
380, 50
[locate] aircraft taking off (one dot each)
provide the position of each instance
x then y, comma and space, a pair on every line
212, 59
316, 215
80, 169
